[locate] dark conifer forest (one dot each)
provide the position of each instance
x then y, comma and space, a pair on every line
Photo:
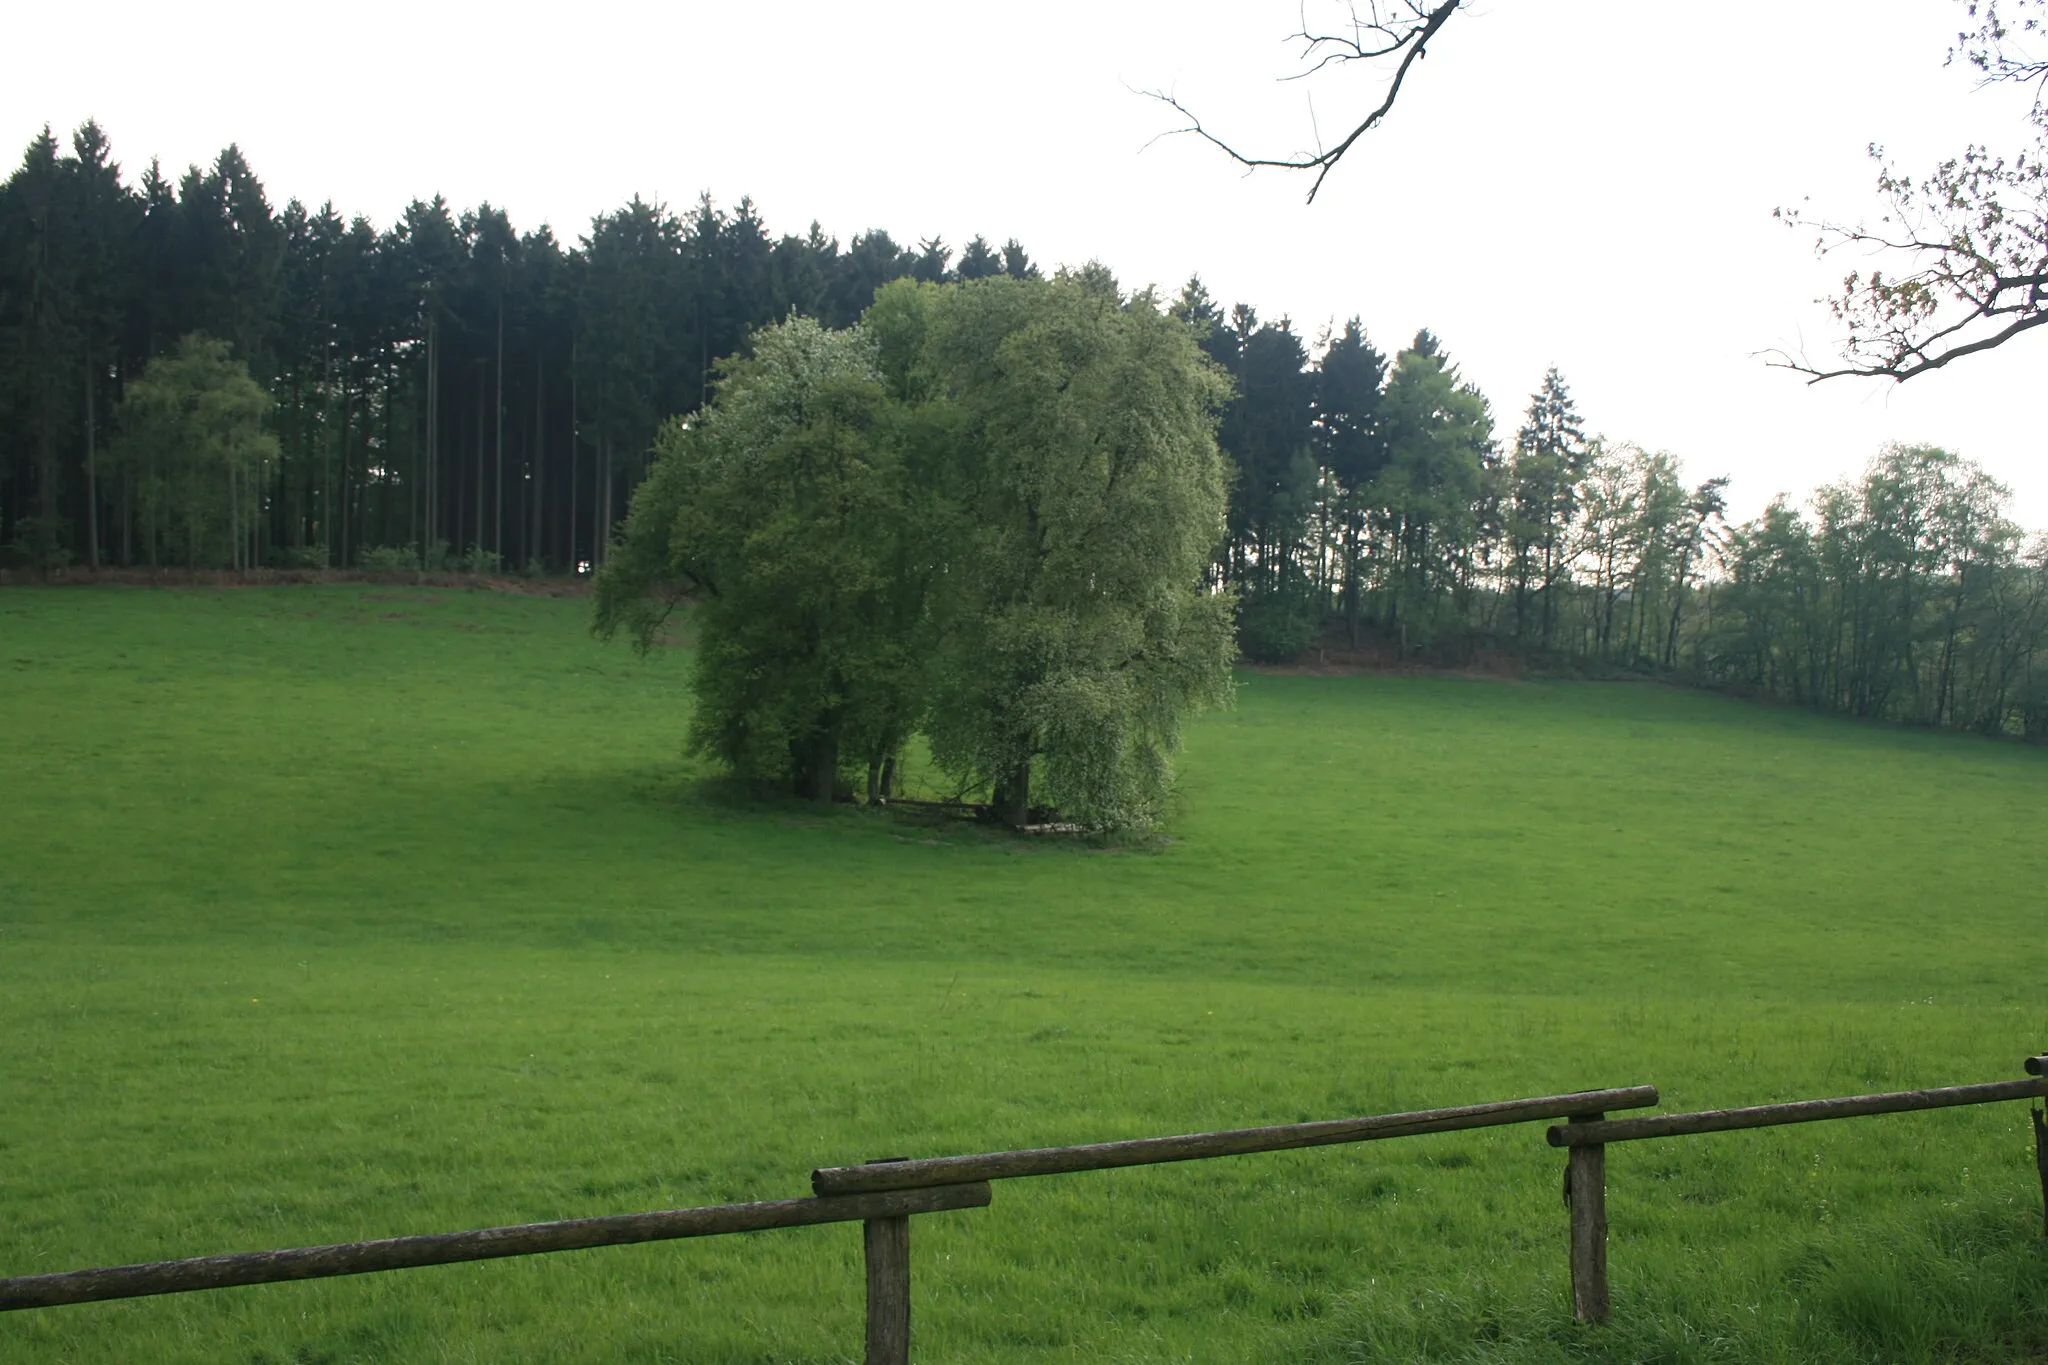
452, 390
447, 384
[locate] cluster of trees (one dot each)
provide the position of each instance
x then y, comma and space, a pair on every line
448, 384
1379, 492
1376, 495
983, 515
191, 377
1907, 594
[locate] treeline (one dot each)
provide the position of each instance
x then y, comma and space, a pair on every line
1376, 496
1379, 494
1907, 594
450, 391
449, 385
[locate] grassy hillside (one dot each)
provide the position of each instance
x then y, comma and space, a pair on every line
345, 912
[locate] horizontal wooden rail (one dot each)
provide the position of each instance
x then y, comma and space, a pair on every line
1588, 1134
954, 1170
885, 1194
1799, 1111
446, 1248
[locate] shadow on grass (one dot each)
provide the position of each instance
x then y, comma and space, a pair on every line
690, 790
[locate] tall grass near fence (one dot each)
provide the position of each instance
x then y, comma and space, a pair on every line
346, 912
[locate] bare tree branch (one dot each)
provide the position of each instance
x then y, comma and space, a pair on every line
1386, 28
1971, 239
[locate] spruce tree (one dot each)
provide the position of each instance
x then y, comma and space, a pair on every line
1439, 439
978, 261
1352, 445
1550, 459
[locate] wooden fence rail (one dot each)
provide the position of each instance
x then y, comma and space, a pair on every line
1587, 1135
884, 1195
1099, 1156
1797, 1111
448, 1248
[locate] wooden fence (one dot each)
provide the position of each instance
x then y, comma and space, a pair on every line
884, 1195
1586, 1137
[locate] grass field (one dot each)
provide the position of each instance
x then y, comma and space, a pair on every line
344, 912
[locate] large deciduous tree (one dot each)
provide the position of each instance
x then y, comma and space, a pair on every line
984, 513
1084, 496
783, 508
191, 437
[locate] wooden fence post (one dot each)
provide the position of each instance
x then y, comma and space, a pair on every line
1585, 1190
2038, 1066
888, 1255
2041, 1160
886, 1242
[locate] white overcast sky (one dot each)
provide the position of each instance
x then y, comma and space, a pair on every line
1587, 183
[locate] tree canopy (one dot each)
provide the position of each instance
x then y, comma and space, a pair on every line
1083, 494
985, 514
783, 509
193, 445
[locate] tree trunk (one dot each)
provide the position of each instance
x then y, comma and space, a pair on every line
92, 481
1677, 606
536, 482
600, 538
341, 437
127, 518
390, 469
326, 518
1351, 584
155, 516
1549, 591
476, 527
498, 482
431, 489
1012, 798
820, 781
575, 439
46, 497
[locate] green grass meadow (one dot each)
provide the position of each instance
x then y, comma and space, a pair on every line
349, 911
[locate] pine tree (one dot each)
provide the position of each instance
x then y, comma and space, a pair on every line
1017, 262
1550, 459
1439, 437
103, 216
932, 256
1352, 445
978, 261
40, 347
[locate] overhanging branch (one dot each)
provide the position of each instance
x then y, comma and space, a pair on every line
1409, 36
